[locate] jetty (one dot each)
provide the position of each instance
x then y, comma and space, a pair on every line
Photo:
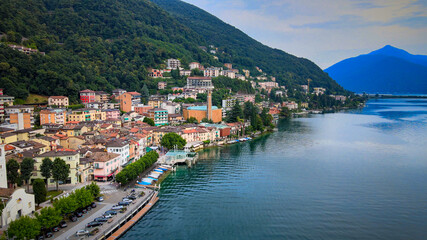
179, 157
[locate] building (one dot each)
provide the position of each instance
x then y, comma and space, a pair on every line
121, 148
184, 72
199, 82
228, 73
290, 105
101, 96
228, 65
59, 101
195, 65
20, 116
156, 100
105, 164
112, 113
242, 98
71, 157
247, 73
3, 172
142, 109
53, 116
173, 63
200, 112
159, 116
228, 104
18, 203
319, 91
212, 72
171, 107
86, 114
175, 119
5, 101
268, 85
155, 73
87, 96
117, 92
126, 102
162, 85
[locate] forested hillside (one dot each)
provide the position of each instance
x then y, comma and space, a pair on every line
243, 51
105, 44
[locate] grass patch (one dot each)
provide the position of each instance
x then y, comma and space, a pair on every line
35, 98
51, 194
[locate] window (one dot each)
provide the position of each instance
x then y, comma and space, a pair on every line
29, 204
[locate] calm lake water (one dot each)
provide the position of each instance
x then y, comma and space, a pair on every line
354, 175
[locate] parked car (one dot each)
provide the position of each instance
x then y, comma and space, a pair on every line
62, 224
100, 219
131, 197
93, 224
99, 199
48, 234
82, 232
124, 203
88, 208
93, 205
83, 210
55, 229
78, 214
40, 237
127, 200
73, 218
111, 212
107, 216
94, 231
116, 207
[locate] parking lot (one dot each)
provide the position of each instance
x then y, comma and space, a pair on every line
111, 198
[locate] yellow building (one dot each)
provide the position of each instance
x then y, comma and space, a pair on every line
86, 114
200, 112
70, 157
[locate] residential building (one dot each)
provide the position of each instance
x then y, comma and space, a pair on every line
319, 91
117, 92
175, 119
228, 73
228, 65
142, 109
18, 203
105, 165
112, 113
212, 72
87, 96
173, 63
247, 73
71, 157
126, 102
155, 73
185, 72
242, 98
59, 101
199, 82
156, 100
268, 85
53, 116
86, 114
159, 116
162, 85
85, 171
25, 50
5, 101
20, 116
195, 65
101, 96
120, 147
290, 105
171, 107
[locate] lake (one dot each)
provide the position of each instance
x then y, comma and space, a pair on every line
359, 174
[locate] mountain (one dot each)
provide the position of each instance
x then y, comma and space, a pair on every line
386, 70
106, 44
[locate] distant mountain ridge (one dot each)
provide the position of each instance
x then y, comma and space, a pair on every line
386, 70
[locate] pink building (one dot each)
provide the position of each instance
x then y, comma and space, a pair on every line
87, 96
245, 98
112, 113
105, 165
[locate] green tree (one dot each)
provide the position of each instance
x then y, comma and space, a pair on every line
149, 121
285, 113
94, 189
12, 168
83, 197
46, 169
48, 217
40, 192
235, 114
60, 171
66, 205
172, 140
191, 120
145, 93
206, 120
27, 167
24, 228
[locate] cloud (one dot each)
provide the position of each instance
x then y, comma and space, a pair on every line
327, 31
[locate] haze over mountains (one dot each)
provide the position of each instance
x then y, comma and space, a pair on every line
386, 70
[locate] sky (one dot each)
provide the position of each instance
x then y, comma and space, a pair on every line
327, 31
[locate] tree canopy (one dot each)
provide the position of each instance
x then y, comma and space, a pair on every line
60, 171
172, 140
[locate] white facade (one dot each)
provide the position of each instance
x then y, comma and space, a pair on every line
18, 204
173, 63
212, 72
3, 173
122, 151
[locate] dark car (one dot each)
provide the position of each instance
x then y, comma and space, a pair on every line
93, 224
93, 205
131, 197
84, 211
124, 203
88, 208
55, 229
62, 224
73, 218
111, 212
40, 237
100, 219
78, 214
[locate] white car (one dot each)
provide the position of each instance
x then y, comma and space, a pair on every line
82, 232
127, 200
117, 207
107, 216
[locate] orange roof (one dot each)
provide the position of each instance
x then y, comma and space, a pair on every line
8, 147
189, 131
73, 122
134, 130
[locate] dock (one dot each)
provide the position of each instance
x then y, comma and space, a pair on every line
127, 224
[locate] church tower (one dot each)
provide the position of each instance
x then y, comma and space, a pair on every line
3, 173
